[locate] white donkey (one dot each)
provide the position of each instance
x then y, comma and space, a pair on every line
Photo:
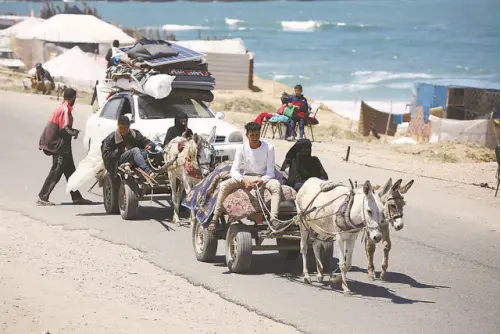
329, 209
393, 214
188, 167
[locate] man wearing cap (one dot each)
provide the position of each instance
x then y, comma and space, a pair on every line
56, 142
42, 80
126, 145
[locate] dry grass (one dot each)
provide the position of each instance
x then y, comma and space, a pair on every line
242, 105
13, 81
450, 152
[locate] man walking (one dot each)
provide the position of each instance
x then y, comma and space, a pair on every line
56, 142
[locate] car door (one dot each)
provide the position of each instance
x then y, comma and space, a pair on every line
108, 117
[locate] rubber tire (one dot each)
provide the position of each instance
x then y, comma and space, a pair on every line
327, 255
288, 255
209, 245
128, 209
110, 200
243, 257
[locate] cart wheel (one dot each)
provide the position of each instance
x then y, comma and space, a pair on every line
327, 253
128, 198
204, 242
288, 254
110, 194
238, 248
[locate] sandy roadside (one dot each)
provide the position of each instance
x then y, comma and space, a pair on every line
61, 281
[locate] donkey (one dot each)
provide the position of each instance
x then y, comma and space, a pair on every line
328, 209
188, 166
393, 213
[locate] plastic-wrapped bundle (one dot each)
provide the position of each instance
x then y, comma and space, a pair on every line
158, 86
87, 168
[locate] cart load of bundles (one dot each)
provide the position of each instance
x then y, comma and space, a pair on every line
155, 67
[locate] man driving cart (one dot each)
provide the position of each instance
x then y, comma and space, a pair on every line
253, 167
126, 145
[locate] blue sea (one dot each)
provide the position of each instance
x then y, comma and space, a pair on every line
338, 50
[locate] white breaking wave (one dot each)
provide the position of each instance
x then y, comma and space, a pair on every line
312, 25
351, 87
177, 27
370, 77
306, 26
404, 85
289, 76
232, 22
283, 76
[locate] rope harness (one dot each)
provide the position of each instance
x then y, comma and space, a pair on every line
393, 208
343, 220
192, 167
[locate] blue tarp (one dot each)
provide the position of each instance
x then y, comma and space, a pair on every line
398, 119
430, 96
435, 95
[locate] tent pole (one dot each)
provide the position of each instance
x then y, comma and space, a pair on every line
388, 122
353, 113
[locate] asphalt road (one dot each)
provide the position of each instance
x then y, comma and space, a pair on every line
444, 265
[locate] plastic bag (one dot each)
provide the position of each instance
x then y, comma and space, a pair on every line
289, 111
159, 86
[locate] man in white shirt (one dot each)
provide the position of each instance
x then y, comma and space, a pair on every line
253, 166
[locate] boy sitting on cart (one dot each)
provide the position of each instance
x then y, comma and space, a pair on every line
126, 145
253, 167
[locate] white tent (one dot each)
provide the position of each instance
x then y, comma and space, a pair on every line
76, 68
23, 27
76, 28
232, 46
480, 131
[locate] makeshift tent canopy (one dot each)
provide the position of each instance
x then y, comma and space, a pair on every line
229, 61
482, 131
25, 26
76, 68
76, 28
461, 102
370, 117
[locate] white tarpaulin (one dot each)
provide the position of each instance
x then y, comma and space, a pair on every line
23, 27
76, 68
476, 131
76, 28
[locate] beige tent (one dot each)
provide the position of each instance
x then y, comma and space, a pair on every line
76, 28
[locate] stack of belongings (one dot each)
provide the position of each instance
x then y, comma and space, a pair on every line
155, 67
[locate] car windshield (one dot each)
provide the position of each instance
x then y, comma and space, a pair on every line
7, 55
169, 107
